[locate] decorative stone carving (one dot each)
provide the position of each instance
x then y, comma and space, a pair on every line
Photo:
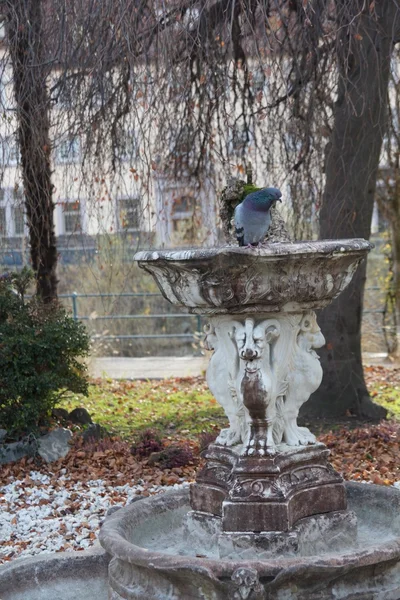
262, 329
248, 584
261, 372
304, 376
269, 493
279, 277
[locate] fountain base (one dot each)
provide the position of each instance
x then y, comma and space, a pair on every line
154, 558
268, 493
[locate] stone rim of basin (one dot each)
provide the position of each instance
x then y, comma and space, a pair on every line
114, 531
267, 250
276, 277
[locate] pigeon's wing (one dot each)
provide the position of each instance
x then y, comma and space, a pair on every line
239, 224
250, 226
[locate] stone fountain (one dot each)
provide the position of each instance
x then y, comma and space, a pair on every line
268, 516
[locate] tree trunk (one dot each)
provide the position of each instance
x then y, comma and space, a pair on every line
351, 170
30, 72
394, 201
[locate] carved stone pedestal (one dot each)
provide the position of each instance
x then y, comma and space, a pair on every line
311, 535
270, 493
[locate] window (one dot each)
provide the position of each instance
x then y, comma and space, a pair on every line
19, 221
13, 153
68, 151
72, 217
184, 142
18, 212
10, 152
129, 214
182, 212
65, 97
240, 138
12, 219
258, 80
3, 224
128, 147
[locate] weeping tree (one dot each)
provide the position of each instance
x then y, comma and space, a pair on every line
30, 72
296, 87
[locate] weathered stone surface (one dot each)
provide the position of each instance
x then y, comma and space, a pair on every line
310, 536
239, 546
212, 482
80, 416
94, 432
270, 493
262, 330
202, 532
282, 516
3, 433
55, 444
16, 450
60, 576
284, 276
261, 372
367, 569
334, 531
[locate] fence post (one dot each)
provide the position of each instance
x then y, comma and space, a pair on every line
74, 297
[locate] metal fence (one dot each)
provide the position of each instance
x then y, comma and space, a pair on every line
75, 296
74, 301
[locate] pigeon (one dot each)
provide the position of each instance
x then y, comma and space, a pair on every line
252, 217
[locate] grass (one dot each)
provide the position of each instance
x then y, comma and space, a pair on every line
179, 407
186, 408
387, 396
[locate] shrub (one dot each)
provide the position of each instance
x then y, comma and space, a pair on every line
175, 456
39, 349
148, 441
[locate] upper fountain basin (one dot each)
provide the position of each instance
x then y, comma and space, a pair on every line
279, 277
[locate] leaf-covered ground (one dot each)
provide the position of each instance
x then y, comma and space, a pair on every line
384, 387
59, 506
183, 409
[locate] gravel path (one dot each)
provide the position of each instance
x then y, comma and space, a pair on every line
48, 514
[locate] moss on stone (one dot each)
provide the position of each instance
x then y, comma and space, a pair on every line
249, 188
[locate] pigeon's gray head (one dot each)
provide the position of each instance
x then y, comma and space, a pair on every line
262, 200
274, 193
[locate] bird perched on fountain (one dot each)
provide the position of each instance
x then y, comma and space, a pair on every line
252, 217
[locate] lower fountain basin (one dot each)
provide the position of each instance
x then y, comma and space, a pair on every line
56, 576
153, 557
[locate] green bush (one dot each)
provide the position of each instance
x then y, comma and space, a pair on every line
40, 347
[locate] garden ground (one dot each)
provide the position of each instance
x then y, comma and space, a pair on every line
59, 506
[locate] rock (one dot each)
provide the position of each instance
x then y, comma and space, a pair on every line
17, 450
231, 196
54, 445
80, 416
278, 231
3, 433
154, 458
136, 498
60, 413
94, 432
113, 509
